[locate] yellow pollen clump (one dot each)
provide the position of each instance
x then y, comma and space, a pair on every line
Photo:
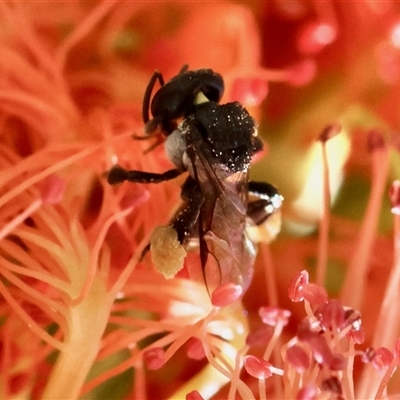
166, 251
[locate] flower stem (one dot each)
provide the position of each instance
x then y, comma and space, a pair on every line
87, 322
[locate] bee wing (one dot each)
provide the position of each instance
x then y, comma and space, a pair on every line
225, 254
217, 183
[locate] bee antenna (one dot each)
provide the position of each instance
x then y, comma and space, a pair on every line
184, 69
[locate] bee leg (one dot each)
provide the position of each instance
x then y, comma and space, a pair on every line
167, 243
267, 203
186, 217
147, 94
118, 175
188, 213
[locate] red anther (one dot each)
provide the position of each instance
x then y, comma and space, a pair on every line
308, 392
249, 91
353, 318
368, 355
17, 383
298, 358
195, 349
319, 347
375, 140
259, 337
52, 189
195, 395
273, 316
302, 73
315, 36
154, 358
357, 335
331, 315
382, 358
314, 294
338, 362
308, 325
257, 367
329, 132
296, 284
135, 196
226, 294
332, 384
394, 197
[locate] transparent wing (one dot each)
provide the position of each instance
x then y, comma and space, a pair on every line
227, 255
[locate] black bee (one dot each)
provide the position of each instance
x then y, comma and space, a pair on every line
214, 143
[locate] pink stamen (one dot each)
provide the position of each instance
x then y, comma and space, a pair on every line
332, 385
394, 197
195, 349
357, 336
314, 294
94, 255
382, 358
274, 316
7, 229
299, 359
257, 367
330, 132
319, 347
296, 285
154, 358
315, 36
331, 315
249, 91
338, 362
226, 294
52, 191
299, 74
308, 392
195, 395
368, 355
259, 337
302, 73
387, 322
354, 285
353, 318
134, 197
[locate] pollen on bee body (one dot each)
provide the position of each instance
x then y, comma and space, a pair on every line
166, 251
